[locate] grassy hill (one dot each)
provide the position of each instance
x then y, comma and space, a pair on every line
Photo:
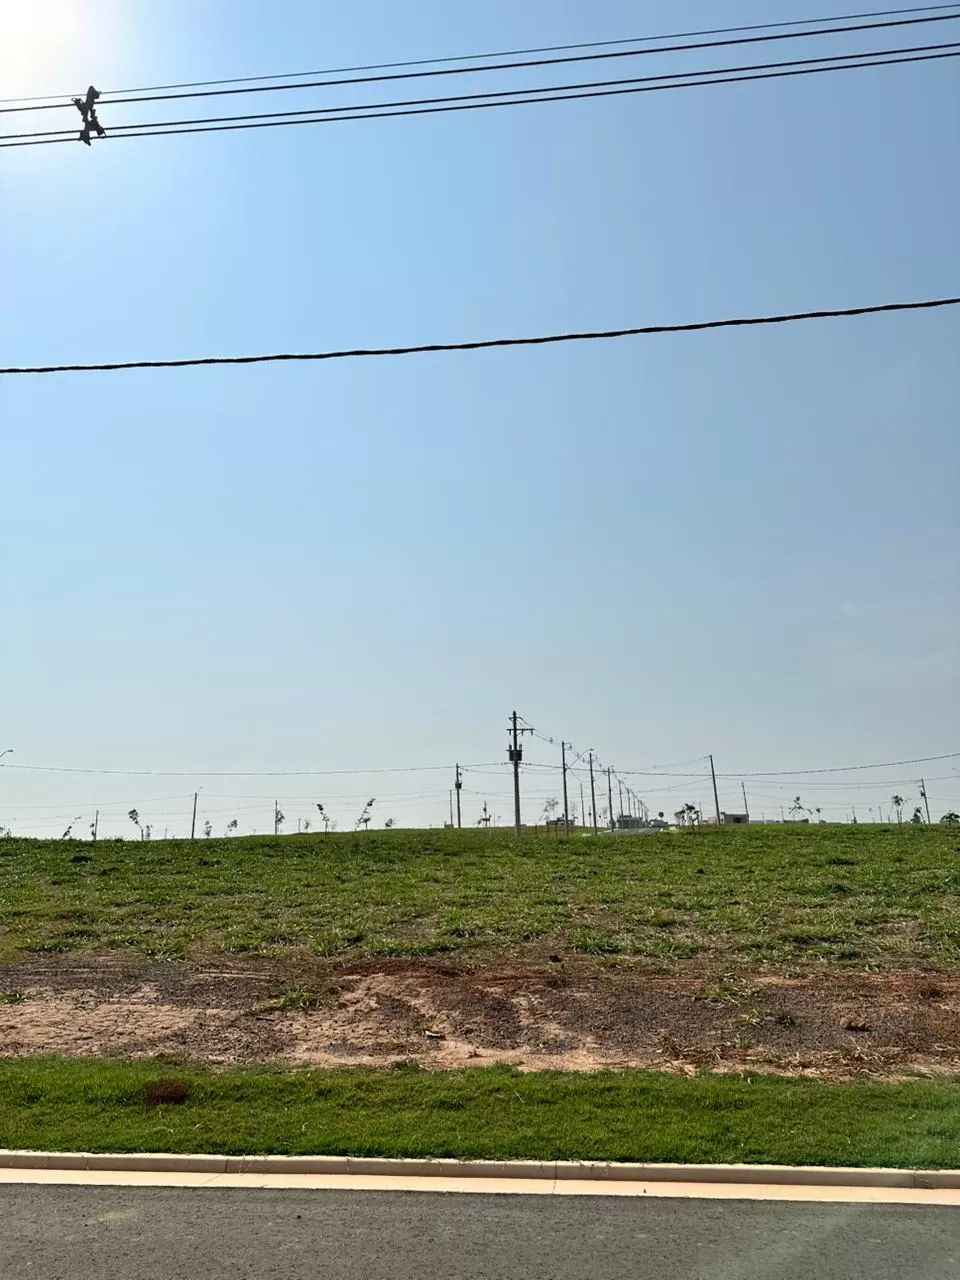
792, 897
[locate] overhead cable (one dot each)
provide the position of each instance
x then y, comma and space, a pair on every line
486, 67
799, 773
481, 101
501, 53
485, 344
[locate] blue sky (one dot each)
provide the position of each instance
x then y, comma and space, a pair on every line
738, 542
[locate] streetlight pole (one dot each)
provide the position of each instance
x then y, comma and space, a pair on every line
593, 796
566, 803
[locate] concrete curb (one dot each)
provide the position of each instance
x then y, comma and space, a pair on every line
587, 1171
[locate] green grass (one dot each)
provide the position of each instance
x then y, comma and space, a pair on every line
488, 1113
798, 898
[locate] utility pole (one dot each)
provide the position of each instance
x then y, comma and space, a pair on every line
716, 798
746, 807
593, 797
458, 787
96, 825
620, 789
450, 799
193, 821
583, 809
926, 802
610, 800
566, 802
276, 818
515, 755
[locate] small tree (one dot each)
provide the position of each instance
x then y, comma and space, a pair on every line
797, 809
306, 824
389, 823
952, 819
917, 816
324, 818
231, 827
208, 829
135, 819
897, 802
364, 819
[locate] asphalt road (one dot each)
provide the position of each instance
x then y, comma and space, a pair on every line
94, 1233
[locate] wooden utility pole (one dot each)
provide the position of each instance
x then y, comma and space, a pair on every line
583, 809
96, 825
610, 800
746, 807
515, 755
193, 820
566, 802
593, 797
458, 787
620, 789
926, 802
276, 818
716, 798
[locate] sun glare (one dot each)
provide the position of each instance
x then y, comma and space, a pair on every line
44, 45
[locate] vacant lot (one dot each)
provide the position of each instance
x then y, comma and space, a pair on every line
800, 899
554, 966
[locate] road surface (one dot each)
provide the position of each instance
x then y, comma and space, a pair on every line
115, 1233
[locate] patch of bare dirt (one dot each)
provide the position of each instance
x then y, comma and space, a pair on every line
573, 1016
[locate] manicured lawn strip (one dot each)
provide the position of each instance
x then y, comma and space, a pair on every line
486, 1113
795, 897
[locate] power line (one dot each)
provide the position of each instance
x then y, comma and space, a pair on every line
799, 773
784, 788
483, 101
504, 53
501, 66
850, 768
116, 804
485, 344
206, 773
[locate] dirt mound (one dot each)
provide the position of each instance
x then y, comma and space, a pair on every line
567, 1016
